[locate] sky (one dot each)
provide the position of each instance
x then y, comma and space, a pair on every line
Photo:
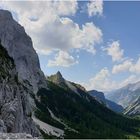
95, 43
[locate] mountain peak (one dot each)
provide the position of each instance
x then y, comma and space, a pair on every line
57, 78
5, 15
58, 74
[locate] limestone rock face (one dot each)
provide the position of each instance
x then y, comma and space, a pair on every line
57, 79
60, 81
134, 108
15, 106
99, 96
19, 46
126, 95
20, 78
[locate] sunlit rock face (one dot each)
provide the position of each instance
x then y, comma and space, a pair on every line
19, 46
15, 99
134, 108
20, 78
126, 95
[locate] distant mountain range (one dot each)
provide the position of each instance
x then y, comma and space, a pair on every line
33, 106
74, 106
126, 95
99, 96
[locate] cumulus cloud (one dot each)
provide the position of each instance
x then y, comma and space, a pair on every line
130, 79
125, 66
62, 59
115, 51
95, 7
102, 81
65, 35
65, 7
136, 67
50, 27
46, 14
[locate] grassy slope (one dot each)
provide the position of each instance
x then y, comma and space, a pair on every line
84, 114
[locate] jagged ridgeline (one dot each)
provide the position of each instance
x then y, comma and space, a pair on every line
79, 115
134, 108
52, 107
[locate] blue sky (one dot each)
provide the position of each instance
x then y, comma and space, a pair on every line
95, 43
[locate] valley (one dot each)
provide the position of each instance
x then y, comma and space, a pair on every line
35, 105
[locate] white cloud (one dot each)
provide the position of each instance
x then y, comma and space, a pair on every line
100, 81
90, 35
37, 8
130, 79
125, 66
50, 31
115, 51
65, 35
62, 59
95, 7
136, 67
66, 7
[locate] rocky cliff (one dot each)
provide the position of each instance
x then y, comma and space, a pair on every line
19, 46
134, 108
15, 99
99, 96
20, 78
126, 95
30, 105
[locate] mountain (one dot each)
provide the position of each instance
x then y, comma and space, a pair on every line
32, 106
134, 108
59, 80
99, 96
126, 95
19, 46
15, 98
20, 78
114, 106
77, 114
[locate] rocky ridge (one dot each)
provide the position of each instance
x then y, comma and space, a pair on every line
99, 96
126, 95
60, 81
20, 78
19, 46
133, 109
